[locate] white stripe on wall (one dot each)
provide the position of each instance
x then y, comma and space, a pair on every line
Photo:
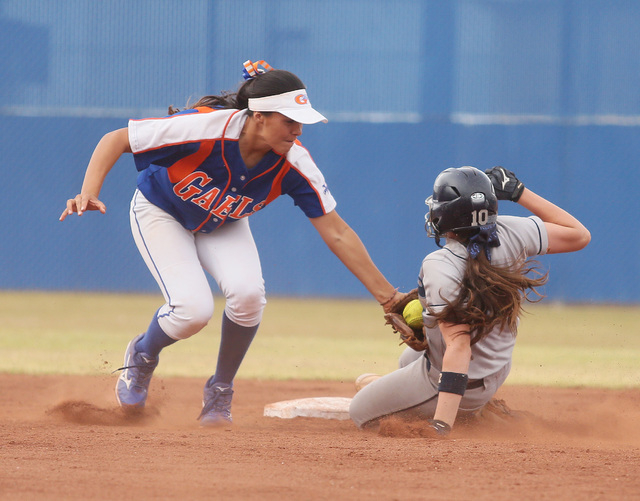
470, 119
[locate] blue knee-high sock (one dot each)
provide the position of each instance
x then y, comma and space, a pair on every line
154, 340
234, 344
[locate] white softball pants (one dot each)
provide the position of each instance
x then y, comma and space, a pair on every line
178, 260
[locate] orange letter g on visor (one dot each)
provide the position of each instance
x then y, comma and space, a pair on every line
294, 105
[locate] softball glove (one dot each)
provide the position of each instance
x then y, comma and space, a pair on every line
414, 338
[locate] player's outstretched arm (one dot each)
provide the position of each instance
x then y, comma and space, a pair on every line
106, 154
455, 363
347, 246
565, 232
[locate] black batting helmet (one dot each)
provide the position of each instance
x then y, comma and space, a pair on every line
463, 199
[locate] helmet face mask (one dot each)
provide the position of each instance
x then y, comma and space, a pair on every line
463, 200
428, 223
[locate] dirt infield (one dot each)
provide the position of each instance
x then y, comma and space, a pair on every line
64, 438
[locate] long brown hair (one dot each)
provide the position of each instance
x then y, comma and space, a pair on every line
271, 83
492, 296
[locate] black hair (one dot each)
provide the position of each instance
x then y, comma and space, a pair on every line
270, 83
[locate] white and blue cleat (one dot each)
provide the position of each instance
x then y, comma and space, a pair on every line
216, 404
133, 384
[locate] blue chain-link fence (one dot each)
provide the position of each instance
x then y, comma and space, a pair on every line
548, 88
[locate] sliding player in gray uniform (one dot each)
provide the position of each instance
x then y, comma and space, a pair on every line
472, 291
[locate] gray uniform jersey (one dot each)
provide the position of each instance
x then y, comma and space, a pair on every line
442, 271
412, 390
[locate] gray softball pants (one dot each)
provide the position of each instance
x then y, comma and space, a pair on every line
412, 392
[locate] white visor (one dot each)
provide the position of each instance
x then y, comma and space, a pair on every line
294, 105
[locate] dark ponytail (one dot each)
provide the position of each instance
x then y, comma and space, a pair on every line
266, 84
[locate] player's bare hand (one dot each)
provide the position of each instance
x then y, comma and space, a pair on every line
81, 203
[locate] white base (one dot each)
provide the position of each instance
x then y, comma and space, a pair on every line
317, 407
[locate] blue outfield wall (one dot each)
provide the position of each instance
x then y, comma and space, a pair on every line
548, 88
379, 173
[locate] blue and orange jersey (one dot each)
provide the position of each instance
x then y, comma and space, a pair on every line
190, 166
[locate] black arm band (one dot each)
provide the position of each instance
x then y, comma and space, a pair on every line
453, 382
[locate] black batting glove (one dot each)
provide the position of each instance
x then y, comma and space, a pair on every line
505, 183
440, 427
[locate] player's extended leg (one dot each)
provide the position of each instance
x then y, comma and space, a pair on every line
407, 391
230, 256
408, 356
412, 392
170, 253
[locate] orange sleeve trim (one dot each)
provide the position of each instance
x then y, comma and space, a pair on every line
190, 163
276, 186
311, 185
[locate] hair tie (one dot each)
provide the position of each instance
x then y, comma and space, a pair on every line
252, 70
486, 238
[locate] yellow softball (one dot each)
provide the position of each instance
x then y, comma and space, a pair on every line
412, 314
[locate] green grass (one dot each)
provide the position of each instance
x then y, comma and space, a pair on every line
590, 345
312, 338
